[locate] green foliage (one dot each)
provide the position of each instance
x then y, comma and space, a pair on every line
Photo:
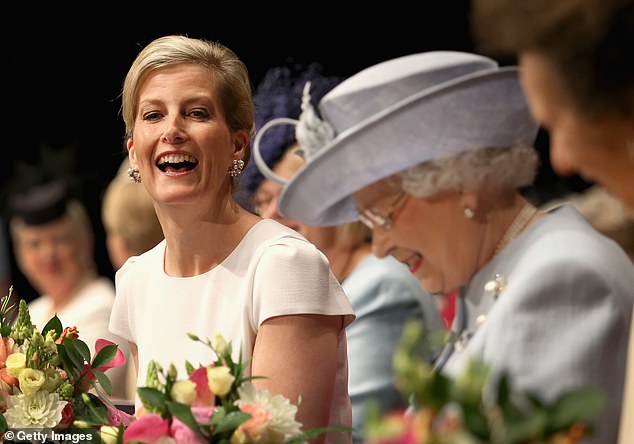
105, 355
65, 362
23, 328
53, 324
489, 408
6, 314
90, 409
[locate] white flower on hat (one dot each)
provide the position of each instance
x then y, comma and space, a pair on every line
311, 132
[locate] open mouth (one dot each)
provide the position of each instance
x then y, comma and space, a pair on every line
414, 262
176, 163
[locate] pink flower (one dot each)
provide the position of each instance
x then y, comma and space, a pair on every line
256, 426
68, 415
398, 428
148, 429
87, 375
183, 434
204, 396
118, 360
202, 414
7, 346
116, 416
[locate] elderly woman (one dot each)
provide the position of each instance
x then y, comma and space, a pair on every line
382, 292
431, 151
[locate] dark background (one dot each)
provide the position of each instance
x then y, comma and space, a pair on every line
63, 77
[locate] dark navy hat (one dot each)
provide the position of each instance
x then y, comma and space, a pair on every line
279, 94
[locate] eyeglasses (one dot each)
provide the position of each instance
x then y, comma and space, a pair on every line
372, 218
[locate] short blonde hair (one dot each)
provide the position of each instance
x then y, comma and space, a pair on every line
502, 167
231, 78
352, 234
128, 210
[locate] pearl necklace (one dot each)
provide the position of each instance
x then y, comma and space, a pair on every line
518, 224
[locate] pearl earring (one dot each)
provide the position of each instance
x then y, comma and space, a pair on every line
469, 213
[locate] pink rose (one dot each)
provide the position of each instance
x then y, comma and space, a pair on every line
148, 428
183, 434
257, 424
204, 396
7, 347
203, 413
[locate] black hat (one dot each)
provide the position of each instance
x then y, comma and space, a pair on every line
38, 193
41, 203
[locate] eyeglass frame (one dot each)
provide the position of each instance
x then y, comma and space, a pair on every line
371, 218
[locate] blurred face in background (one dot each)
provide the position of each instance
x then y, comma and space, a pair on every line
51, 256
599, 149
267, 194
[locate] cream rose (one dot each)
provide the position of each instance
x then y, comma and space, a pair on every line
220, 380
184, 391
16, 362
31, 380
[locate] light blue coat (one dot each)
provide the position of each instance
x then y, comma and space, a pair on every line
560, 316
384, 294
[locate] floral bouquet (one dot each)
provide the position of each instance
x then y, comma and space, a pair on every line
48, 379
214, 404
475, 408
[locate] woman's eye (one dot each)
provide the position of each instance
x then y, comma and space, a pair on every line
151, 116
198, 113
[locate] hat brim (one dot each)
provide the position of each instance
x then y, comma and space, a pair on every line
484, 109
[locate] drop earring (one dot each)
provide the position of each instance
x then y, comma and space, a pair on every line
134, 174
236, 168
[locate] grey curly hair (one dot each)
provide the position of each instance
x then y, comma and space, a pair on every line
505, 167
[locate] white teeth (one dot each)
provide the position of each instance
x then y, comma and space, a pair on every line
176, 158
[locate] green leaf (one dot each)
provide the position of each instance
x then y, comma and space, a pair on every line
53, 324
89, 408
526, 428
475, 421
104, 381
313, 433
184, 413
576, 405
152, 397
105, 356
230, 422
77, 351
3, 424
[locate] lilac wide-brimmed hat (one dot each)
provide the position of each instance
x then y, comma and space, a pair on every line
395, 115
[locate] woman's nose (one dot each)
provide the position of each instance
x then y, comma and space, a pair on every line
562, 157
380, 242
174, 131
